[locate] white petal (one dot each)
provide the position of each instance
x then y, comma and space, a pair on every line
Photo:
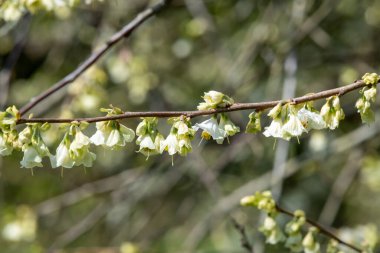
98, 138
128, 133
115, 138
147, 142
212, 127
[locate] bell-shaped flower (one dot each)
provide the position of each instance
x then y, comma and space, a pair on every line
254, 124
212, 127
112, 134
33, 146
171, 144
293, 126
230, 129
179, 139
311, 120
275, 129
364, 104
149, 139
310, 242
62, 157
294, 233
6, 148
272, 231
332, 113
79, 149
31, 157
215, 99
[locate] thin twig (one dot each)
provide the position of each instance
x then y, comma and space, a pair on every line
235, 107
244, 239
321, 229
125, 32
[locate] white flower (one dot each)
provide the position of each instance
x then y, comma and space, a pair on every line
275, 130
80, 141
171, 144
212, 127
31, 158
79, 150
293, 126
112, 135
310, 243
101, 135
62, 157
5, 147
272, 231
370, 94
215, 99
230, 129
311, 120
332, 113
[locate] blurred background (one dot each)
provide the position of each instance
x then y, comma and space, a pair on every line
251, 50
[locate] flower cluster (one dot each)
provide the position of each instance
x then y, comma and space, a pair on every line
289, 119
179, 139
8, 133
293, 237
270, 228
332, 113
149, 138
368, 95
293, 120
13, 10
218, 131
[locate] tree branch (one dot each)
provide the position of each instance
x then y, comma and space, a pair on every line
125, 32
321, 229
244, 239
235, 107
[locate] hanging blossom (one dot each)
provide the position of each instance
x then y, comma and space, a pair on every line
368, 95
254, 124
292, 127
74, 148
332, 113
215, 99
149, 139
294, 233
179, 139
217, 131
310, 243
333, 247
32, 145
310, 117
264, 201
111, 134
8, 132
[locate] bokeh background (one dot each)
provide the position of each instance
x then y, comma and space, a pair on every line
251, 50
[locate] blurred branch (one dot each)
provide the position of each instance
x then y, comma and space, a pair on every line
244, 239
88, 190
340, 187
125, 32
282, 149
292, 166
321, 229
235, 107
6, 71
